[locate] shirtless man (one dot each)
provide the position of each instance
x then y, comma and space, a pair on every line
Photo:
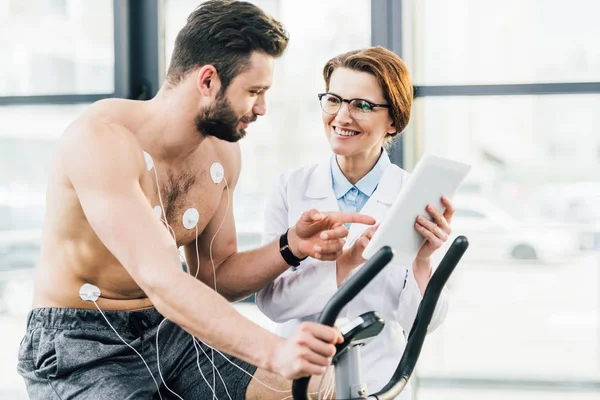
122, 170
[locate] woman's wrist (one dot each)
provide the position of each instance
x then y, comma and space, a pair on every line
342, 269
422, 266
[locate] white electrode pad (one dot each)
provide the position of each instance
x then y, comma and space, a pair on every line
158, 211
190, 218
148, 160
217, 172
89, 292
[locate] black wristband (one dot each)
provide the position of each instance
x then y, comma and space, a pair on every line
286, 252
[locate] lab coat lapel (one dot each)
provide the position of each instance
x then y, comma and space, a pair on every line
319, 192
381, 200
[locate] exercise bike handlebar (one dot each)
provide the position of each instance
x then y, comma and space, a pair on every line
346, 293
419, 329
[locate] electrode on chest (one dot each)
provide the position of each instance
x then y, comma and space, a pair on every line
148, 160
191, 216
217, 172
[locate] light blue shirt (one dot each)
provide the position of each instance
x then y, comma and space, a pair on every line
352, 198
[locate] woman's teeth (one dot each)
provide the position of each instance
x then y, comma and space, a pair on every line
344, 132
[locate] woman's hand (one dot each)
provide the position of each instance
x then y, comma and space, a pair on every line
436, 232
352, 256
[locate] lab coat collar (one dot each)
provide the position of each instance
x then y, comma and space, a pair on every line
320, 192
321, 186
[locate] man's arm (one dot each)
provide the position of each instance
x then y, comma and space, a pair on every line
285, 298
105, 165
238, 275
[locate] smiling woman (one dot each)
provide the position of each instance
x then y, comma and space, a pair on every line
368, 102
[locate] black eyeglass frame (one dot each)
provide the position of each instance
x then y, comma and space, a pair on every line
370, 103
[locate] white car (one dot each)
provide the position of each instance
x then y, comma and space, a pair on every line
578, 205
496, 235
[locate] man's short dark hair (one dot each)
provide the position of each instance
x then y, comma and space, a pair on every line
224, 33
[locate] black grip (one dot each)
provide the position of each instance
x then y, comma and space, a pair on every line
346, 293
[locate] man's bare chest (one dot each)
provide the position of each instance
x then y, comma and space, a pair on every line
186, 201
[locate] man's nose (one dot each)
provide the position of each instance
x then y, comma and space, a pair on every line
260, 106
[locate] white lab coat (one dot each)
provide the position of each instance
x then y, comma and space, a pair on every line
300, 295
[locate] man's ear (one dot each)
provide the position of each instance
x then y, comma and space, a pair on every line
207, 81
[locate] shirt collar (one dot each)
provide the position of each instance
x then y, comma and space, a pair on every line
341, 185
366, 185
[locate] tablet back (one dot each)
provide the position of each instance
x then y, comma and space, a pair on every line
432, 178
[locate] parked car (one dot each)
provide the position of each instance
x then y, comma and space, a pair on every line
495, 234
578, 206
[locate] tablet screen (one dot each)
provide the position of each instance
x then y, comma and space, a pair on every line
432, 178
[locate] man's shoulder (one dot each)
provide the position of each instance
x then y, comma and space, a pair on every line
101, 127
98, 134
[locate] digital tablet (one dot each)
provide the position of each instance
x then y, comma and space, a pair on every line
432, 178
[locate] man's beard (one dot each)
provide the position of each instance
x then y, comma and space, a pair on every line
219, 120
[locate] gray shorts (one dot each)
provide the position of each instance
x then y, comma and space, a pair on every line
74, 354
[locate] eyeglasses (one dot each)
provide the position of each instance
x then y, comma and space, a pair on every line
359, 108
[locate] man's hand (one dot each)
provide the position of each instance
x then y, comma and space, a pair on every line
321, 235
352, 256
307, 352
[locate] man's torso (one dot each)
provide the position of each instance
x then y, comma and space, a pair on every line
72, 254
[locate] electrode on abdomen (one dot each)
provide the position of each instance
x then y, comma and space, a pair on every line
88, 292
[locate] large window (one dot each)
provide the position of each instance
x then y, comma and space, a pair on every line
28, 137
52, 51
504, 41
508, 86
52, 47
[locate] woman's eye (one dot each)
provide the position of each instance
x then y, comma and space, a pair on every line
364, 106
